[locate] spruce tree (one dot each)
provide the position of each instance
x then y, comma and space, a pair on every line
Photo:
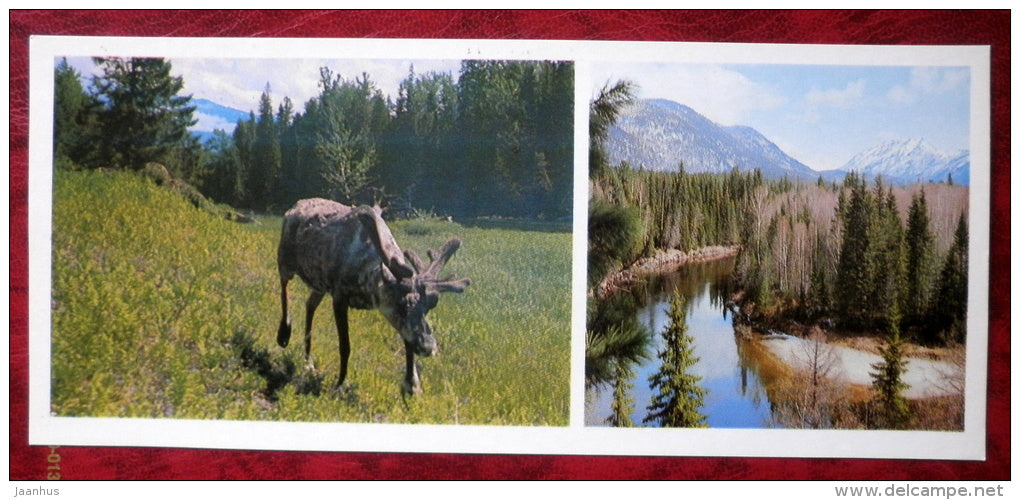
143, 118
854, 272
885, 259
73, 118
623, 403
949, 307
677, 395
264, 171
919, 271
887, 379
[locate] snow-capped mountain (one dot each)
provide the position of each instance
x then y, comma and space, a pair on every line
658, 134
911, 160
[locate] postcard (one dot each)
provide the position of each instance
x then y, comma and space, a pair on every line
509, 246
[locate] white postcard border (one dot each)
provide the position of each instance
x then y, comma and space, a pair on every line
574, 439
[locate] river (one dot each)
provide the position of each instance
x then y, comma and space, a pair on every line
735, 397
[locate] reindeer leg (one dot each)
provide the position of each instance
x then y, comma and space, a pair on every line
313, 302
340, 313
412, 384
283, 333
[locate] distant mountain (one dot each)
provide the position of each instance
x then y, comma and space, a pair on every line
212, 116
658, 134
909, 161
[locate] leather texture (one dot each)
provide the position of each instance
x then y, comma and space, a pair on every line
828, 27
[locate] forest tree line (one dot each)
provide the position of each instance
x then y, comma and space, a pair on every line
498, 140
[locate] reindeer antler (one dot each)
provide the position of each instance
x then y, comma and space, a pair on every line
438, 259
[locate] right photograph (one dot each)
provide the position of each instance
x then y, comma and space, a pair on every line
778, 246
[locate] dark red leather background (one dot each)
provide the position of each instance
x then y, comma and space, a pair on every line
836, 27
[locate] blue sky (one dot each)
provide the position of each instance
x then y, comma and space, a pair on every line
239, 82
820, 115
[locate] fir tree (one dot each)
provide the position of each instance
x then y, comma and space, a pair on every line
143, 118
264, 171
677, 397
920, 248
949, 307
853, 271
73, 118
887, 379
623, 403
885, 259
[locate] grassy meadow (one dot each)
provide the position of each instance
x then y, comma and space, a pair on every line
162, 310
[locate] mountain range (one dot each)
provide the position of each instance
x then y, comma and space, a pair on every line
658, 134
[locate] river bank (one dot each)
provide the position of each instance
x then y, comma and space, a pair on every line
663, 261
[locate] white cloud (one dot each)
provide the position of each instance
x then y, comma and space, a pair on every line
852, 94
723, 95
927, 81
208, 123
936, 80
902, 95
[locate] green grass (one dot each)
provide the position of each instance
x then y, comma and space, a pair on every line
161, 310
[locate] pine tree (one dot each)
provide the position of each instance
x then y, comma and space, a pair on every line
224, 182
264, 170
351, 118
920, 249
887, 379
949, 307
244, 154
73, 118
603, 112
853, 272
143, 118
623, 403
677, 397
288, 190
885, 260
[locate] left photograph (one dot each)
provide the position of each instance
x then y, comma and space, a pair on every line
313, 240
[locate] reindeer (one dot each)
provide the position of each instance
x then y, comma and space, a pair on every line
351, 254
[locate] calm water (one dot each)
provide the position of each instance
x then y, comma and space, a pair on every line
736, 397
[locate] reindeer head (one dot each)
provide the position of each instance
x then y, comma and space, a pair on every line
411, 290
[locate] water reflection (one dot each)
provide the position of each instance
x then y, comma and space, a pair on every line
735, 395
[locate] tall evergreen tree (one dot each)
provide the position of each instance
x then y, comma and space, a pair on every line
418, 160
225, 179
885, 259
74, 118
920, 260
677, 396
853, 271
351, 118
623, 403
143, 118
887, 379
949, 307
264, 170
287, 187
244, 151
